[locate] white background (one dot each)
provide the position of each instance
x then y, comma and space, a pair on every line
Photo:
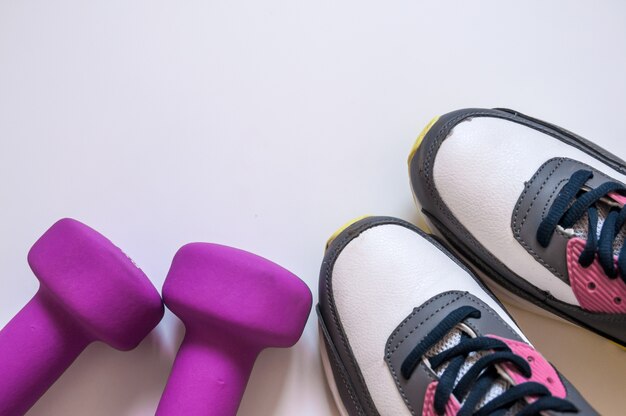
266, 125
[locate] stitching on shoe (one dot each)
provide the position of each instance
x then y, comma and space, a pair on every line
408, 334
518, 226
551, 197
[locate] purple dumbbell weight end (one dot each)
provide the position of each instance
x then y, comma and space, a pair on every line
89, 291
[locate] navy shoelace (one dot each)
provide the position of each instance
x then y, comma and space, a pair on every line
571, 204
477, 381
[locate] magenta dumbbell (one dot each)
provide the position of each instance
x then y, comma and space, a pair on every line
234, 304
89, 291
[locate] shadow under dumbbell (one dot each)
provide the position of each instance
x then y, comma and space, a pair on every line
261, 397
106, 382
282, 373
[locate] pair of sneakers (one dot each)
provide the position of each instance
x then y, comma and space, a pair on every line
409, 329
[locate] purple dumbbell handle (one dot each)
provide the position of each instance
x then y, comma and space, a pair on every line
233, 304
36, 347
208, 377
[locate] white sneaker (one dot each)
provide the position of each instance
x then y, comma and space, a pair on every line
408, 330
537, 208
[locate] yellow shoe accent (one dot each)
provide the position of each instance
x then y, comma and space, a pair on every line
343, 227
423, 225
420, 138
621, 347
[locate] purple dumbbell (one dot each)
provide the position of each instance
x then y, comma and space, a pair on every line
234, 304
90, 291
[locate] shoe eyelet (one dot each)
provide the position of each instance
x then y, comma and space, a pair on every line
550, 380
530, 359
591, 286
617, 300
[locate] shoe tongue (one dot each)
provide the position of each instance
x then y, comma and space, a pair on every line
581, 227
452, 339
